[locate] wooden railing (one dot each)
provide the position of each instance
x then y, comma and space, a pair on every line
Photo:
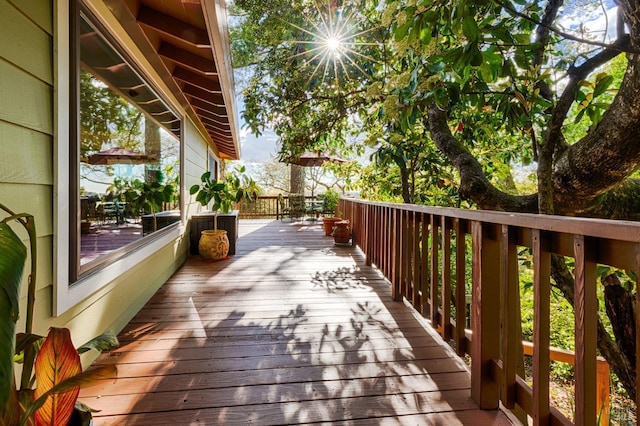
262, 207
425, 252
265, 206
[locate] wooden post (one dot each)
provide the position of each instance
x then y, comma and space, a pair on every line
424, 276
445, 287
433, 290
461, 288
586, 305
485, 320
396, 222
511, 336
541, 308
417, 295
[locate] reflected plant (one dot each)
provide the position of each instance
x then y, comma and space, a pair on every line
149, 196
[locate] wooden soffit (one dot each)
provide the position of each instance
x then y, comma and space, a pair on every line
187, 42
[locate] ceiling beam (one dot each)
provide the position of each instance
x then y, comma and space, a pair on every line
173, 27
208, 123
214, 99
213, 131
212, 117
210, 84
212, 109
187, 59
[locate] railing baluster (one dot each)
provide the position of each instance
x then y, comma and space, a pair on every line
433, 289
406, 256
445, 288
461, 288
541, 300
396, 223
424, 269
511, 334
586, 303
416, 288
485, 319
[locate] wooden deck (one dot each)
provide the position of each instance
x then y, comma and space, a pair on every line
290, 330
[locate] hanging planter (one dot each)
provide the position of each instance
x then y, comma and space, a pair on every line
342, 232
214, 244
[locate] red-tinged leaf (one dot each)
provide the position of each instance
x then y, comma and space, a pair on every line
57, 361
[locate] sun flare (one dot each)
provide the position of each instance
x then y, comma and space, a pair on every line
333, 47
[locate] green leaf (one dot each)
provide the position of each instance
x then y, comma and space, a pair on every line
14, 255
194, 189
401, 32
470, 28
602, 85
104, 342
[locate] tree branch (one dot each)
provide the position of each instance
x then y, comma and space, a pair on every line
628, 49
474, 185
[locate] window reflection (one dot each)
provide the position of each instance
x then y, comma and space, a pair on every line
129, 153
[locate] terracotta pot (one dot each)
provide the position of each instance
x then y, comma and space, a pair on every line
328, 223
213, 245
342, 232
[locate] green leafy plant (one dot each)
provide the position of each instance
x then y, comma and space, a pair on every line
51, 370
330, 200
150, 196
224, 194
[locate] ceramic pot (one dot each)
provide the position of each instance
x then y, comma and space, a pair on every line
328, 223
213, 245
342, 232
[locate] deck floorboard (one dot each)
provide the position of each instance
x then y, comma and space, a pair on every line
290, 330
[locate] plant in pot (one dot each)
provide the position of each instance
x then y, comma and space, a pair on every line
214, 244
330, 204
150, 196
52, 374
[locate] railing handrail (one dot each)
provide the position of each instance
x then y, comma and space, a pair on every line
590, 227
413, 246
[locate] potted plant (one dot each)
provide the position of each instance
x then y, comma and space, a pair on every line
51, 370
149, 196
330, 204
214, 244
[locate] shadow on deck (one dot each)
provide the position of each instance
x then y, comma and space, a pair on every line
290, 330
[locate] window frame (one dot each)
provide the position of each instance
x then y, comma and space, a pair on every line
73, 284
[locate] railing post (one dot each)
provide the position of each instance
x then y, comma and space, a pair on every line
396, 222
461, 288
541, 324
445, 284
512, 355
485, 320
424, 263
433, 288
586, 303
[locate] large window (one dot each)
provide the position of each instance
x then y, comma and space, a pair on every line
125, 167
